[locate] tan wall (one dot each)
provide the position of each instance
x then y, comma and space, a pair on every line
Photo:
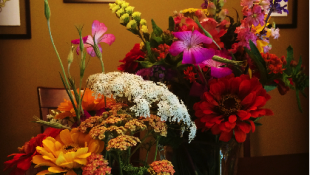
26, 64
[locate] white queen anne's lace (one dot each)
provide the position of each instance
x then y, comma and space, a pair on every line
144, 94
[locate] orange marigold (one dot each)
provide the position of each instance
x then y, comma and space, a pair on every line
161, 167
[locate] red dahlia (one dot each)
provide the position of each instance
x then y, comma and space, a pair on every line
129, 62
231, 105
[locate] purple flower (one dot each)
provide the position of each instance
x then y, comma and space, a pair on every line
189, 44
276, 6
216, 70
204, 5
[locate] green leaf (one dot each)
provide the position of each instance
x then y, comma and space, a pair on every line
149, 51
156, 30
256, 119
258, 124
298, 101
158, 40
270, 87
171, 24
145, 64
256, 56
224, 60
297, 68
304, 94
289, 58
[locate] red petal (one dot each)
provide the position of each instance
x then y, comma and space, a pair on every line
252, 125
244, 115
268, 112
199, 113
210, 98
248, 99
259, 102
205, 105
240, 135
230, 125
244, 88
25, 164
226, 136
217, 89
244, 127
235, 85
223, 128
207, 111
215, 129
258, 113
232, 118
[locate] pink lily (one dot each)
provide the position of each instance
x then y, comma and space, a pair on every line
98, 30
189, 44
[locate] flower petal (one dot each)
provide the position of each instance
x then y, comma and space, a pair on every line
239, 135
198, 38
219, 72
98, 29
43, 172
177, 47
65, 137
107, 38
40, 161
56, 169
226, 136
201, 54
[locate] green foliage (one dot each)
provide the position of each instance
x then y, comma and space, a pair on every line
259, 61
171, 24
156, 30
289, 58
149, 52
135, 170
270, 87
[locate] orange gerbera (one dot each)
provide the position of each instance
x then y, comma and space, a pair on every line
89, 103
68, 151
231, 105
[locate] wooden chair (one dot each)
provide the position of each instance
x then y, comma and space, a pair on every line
50, 98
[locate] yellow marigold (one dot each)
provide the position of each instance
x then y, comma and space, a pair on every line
123, 142
156, 123
68, 151
135, 125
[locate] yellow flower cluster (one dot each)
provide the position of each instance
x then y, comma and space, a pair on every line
132, 20
90, 123
122, 142
158, 125
134, 125
190, 12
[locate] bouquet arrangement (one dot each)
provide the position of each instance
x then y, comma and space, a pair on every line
206, 71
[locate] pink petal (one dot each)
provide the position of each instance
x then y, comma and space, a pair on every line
98, 29
201, 54
198, 38
184, 36
90, 40
77, 41
219, 72
107, 38
177, 47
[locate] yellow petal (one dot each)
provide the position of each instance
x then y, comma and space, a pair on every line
56, 169
71, 172
69, 156
65, 137
61, 159
58, 146
81, 151
48, 145
40, 161
45, 154
84, 156
69, 165
43, 172
81, 161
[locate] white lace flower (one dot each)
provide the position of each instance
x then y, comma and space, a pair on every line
144, 95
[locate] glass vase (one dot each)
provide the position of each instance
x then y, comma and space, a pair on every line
205, 155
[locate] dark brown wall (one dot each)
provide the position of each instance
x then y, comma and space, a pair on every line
26, 64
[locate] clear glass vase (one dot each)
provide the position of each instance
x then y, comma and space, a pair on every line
205, 155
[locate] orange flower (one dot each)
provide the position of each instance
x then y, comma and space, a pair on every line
89, 103
161, 167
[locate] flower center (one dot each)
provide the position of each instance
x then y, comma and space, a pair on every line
229, 104
73, 147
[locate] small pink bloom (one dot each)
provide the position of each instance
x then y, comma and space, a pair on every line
255, 16
98, 30
247, 3
275, 33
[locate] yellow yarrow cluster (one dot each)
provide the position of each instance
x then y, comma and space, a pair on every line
161, 167
134, 125
192, 11
158, 125
122, 142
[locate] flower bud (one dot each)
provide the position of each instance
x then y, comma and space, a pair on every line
136, 16
221, 3
120, 12
111, 5
129, 10
47, 10
97, 50
223, 13
143, 22
144, 29
293, 63
132, 24
119, 2
115, 8
125, 4
70, 55
282, 88
124, 19
211, 9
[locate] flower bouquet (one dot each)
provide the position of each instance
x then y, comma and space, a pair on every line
207, 71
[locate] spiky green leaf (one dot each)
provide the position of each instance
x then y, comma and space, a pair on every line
171, 24
298, 101
156, 30
146, 64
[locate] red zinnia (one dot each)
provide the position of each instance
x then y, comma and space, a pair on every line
230, 106
23, 160
130, 65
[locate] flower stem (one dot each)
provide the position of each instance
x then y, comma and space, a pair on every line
146, 135
157, 139
120, 163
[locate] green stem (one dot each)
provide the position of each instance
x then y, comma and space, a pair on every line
128, 161
157, 139
199, 68
146, 135
102, 64
147, 155
120, 163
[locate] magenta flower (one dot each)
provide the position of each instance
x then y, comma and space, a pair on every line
217, 70
189, 44
255, 16
98, 30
